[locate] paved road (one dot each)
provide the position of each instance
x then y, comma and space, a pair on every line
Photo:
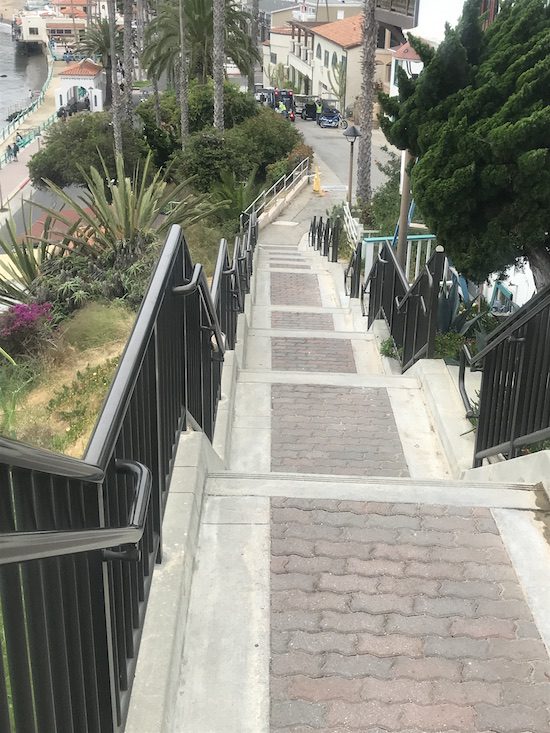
332, 148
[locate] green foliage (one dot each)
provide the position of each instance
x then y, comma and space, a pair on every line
268, 137
166, 140
15, 381
254, 144
278, 77
235, 195
388, 349
286, 165
382, 213
77, 405
25, 261
448, 345
97, 324
337, 77
162, 39
72, 147
479, 118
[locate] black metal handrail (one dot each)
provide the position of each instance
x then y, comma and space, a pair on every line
514, 401
38, 545
352, 273
324, 236
79, 538
410, 311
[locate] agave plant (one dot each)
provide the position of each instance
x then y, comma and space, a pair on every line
25, 258
119, 215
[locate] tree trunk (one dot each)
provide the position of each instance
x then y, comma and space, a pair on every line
108, 81
128, 61
218, 59
255, 12
115, 107
156, 100
539, 262
364, 158
183, 79
404, 212
140, 18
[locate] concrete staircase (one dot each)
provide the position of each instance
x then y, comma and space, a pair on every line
339, 573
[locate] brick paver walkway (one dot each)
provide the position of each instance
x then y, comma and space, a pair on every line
405, 618
312, 355
295, 289
334, 430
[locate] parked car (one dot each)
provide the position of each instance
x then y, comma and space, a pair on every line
309, 111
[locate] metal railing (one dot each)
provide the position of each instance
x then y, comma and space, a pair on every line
284, 183
79, 538
514, 400
409, 310
324, 236
13, 126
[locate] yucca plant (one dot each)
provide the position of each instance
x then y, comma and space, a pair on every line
118, 216
235, 195
25, 259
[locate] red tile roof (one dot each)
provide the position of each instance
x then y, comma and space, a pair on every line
346, 33
282, 30
406, 53
86, 67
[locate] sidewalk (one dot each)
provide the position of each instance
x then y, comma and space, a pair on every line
14, 177
343, 582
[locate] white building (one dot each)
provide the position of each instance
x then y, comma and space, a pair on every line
77, 81
312, 52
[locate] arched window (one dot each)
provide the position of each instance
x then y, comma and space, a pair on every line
318, 51
334, 59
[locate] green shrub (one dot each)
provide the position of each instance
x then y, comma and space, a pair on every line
448, 345
267, 137
71, 148
387, 348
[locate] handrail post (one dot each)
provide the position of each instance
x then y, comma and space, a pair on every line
439, 264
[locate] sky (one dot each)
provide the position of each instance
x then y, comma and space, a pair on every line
434, 14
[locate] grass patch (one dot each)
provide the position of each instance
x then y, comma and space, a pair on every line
97, 324
53, 401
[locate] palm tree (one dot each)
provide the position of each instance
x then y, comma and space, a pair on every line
183, 75
115, 107
162, 39
255, 12
370, 29
96, 43
218, 59
127, 59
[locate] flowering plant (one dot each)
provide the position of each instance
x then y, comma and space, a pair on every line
24, 326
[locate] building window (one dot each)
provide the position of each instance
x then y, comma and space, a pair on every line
318, 52
33, 31
334, 59
343, 62
326, 58
273, 58
381, 39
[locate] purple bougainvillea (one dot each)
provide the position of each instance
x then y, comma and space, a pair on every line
24, 325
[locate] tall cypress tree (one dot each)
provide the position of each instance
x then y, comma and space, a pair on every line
478, 118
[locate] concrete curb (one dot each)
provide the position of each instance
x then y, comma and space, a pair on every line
157, 673
447, 411
530, 469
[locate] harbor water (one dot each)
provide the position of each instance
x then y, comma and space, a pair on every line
19, 74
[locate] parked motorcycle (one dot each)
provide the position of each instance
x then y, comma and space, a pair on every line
333, 118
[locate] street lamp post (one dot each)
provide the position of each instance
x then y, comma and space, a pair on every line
351, 134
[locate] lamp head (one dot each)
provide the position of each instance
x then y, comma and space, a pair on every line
352, 133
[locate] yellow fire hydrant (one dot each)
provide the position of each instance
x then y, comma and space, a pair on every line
317, 181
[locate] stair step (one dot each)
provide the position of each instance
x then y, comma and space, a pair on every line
382, 489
